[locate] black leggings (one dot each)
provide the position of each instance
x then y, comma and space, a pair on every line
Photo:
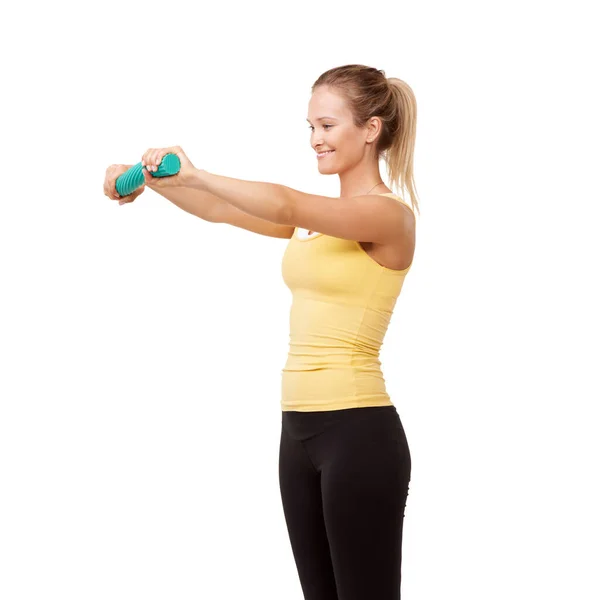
343, 476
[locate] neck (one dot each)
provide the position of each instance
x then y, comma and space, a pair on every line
362, 180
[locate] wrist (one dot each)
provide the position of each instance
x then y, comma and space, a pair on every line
198, 180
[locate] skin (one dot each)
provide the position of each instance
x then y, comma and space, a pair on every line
354, 161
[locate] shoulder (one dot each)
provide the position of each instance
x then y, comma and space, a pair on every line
408, 221
377, 218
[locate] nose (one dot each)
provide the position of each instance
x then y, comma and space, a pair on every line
316, 141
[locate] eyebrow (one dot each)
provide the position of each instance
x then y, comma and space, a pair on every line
322, 118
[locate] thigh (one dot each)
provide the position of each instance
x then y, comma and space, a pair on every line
365, 486
300, 486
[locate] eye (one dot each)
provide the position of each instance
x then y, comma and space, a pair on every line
311, 127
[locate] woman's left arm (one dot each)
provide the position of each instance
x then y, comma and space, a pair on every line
268, 201
368, 218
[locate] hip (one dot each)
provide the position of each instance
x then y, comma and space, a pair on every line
371, 438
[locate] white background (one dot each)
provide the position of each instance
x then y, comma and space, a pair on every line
141, 347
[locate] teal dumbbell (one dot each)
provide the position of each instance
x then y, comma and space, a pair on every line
134, 178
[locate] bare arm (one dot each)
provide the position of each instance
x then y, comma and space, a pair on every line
372, 218
211, 208
199, 204
205, 205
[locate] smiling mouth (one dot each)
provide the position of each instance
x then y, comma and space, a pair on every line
322, 154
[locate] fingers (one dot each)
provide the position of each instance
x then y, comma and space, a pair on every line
110, 188
151, 160
146, 158
148, 179
129, 199
113, 188
110, 185
154, 156
132, 196
112, 174
158, 156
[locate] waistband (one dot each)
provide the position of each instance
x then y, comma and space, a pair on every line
304, 425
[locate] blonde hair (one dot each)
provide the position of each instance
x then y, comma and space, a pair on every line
369, 93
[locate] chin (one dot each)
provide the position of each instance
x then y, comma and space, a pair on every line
327, 169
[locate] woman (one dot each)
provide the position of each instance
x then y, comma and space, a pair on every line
344, 461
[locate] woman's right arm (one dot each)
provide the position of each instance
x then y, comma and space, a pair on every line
211, 208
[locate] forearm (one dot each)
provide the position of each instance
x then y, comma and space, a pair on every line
264, 200
198, 203
193, 201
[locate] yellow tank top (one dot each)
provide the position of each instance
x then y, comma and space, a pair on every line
342, 303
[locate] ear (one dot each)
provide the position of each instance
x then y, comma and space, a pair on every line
374, 127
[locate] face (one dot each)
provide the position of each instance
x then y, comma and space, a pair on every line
332, 128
